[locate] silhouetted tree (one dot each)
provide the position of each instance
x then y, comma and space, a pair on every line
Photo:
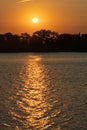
44, 40
25, 41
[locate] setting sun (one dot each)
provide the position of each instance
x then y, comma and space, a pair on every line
35, 20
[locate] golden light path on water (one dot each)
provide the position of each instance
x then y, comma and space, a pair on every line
33, 98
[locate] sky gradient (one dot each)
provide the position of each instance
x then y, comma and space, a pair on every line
63, 16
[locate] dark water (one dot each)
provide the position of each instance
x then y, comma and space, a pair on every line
43, 91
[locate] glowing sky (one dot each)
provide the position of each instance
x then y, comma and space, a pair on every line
68, 16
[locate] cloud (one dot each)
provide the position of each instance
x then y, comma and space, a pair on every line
23, 1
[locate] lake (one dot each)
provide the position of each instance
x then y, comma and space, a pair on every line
43, 91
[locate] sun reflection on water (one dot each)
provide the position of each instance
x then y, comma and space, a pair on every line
34, 95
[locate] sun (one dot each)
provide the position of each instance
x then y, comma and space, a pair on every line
35, 20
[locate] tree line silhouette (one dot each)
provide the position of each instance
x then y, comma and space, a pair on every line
43, 41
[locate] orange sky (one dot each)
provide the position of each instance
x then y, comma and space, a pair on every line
68, 16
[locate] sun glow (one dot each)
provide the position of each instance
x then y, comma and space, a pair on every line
35, 20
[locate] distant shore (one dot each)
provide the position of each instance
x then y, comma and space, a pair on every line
43, 41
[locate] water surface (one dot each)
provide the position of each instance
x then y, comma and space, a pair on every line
43, 91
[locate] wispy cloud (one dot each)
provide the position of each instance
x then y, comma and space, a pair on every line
23, 1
